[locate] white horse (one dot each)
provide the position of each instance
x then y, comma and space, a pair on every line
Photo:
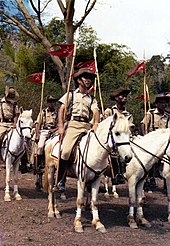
92, 161
13, 148
147, 151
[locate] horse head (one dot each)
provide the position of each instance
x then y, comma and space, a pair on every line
119, 137
24, 123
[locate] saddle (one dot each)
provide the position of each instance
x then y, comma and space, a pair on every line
73, 157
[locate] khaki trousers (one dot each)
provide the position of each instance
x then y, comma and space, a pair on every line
74, 129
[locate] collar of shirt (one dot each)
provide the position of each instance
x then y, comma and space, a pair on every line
83, 94
157, 112
123, 112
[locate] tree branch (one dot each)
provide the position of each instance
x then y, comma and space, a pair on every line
87, 11
15, 22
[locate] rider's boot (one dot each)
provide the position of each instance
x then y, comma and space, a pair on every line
40, 162
62, 175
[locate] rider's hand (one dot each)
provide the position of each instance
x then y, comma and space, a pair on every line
95, 127
61, 132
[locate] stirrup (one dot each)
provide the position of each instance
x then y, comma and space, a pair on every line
61, 186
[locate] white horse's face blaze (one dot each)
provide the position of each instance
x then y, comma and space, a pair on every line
119, 138
25, 123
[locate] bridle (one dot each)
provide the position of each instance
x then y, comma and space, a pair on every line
84, 154
165, 159
20, 128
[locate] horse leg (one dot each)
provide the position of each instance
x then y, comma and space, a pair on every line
96, 221
132, 203
140, 217
7, 197
80, 195
107, 186
115, 194
52, 195
15, 171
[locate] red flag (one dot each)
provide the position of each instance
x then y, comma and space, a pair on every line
141, 97
35, 78
66, 50
140, 67
88, 64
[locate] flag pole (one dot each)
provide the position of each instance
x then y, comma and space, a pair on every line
66, 103
40, 115
146, 96
42, 93
71, 71
98, 79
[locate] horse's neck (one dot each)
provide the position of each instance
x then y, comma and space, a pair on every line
15, 137
155, 145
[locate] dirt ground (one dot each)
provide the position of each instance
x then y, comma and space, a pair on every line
25, 222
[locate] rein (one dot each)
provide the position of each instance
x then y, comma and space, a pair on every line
98, 173
165, 159
9, 140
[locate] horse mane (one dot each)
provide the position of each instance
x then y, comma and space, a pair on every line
153, 134
121, 124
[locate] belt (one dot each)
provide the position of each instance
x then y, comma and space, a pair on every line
80, 119
8, 120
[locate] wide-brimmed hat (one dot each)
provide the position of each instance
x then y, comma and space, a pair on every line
161, 97
51, 99
83, 71
118, 92
11, 94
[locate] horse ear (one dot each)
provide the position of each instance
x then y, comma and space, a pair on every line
21, 110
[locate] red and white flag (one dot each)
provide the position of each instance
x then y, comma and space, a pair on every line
66, 50
35, 78
87, 64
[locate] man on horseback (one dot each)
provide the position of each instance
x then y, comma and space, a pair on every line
120, 97
156, 118
9, 111
45, 124
83, 106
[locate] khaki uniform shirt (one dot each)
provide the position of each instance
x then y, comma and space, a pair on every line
110, 111
7, 112
49, 119
155, 120
79, 104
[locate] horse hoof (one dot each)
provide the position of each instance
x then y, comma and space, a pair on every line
17, 197
133, 225
102, 229
143, 222
131, 222
78, 229
115, 195
7, 199
107, 195
51, 215
58, 215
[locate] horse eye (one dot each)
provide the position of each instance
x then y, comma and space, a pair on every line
117, 133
